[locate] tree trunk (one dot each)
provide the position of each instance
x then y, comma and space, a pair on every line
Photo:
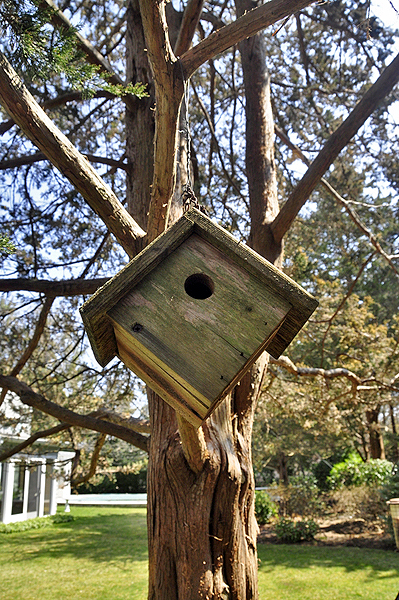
376, 440
201, 524
283, 468
140, 124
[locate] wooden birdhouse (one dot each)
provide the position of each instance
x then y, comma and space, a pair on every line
192, 312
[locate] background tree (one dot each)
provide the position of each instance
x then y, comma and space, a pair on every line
322, 78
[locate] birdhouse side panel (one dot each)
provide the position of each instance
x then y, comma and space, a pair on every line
160, 380
205, 341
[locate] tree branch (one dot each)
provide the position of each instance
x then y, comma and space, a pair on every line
32, 439
289, 366
41, 322
68, 287
351, 212
30, 159
169, 87
253, 21
21, 105
335, 143
93, 462
191, 17
138, 425
193, 444
31, 398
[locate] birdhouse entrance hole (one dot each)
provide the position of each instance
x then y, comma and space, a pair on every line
192, 312
199, 286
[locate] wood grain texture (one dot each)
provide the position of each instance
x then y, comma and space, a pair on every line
274, 283
160, 380
208, 341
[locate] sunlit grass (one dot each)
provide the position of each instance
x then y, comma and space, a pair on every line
327, 573
102, 555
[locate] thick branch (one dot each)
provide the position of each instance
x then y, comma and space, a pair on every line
168, 78
31, 398
69, 287
193, 443
244, 27
191, 17
32, 439
336, 142
21, 105
138, 425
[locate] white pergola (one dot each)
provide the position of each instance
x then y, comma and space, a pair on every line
32, 485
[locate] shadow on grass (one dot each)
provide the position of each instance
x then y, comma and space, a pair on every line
379, 564
99, 534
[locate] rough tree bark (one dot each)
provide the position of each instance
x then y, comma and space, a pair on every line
201, 524
376, 440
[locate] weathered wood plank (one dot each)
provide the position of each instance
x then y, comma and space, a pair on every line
98, 326
208, 341
303, 303
160, 381
94, 311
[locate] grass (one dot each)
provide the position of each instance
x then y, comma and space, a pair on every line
102, 555
327, 573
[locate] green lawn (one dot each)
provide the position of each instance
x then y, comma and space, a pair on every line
102, 555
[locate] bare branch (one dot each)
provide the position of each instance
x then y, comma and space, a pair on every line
289, 366
68, 287
253, 21
345, 203
31, 398
30, 159
41, 322
191, 17
21, 105
32, 439
335, 143
93, 462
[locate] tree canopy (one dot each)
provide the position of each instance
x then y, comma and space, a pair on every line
283, 118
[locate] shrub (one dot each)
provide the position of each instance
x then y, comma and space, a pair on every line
301, 497
265, 508
362, 502
122, 482
354, 472
292, 532
36, 523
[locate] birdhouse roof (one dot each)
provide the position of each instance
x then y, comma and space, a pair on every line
95, 311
